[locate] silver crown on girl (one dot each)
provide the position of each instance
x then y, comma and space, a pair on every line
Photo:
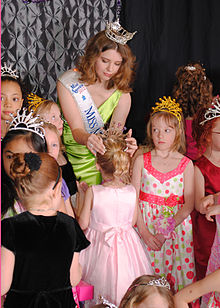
8, 71
25, 121
212, 112
161, 282
116, 33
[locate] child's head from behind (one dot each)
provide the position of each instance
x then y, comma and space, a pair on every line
115, 163
207, 132
50, 112
165, 129
148, 292
20, 141
34, 175
11, 97
192, 89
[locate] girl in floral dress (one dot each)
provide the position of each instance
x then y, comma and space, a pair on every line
163, 178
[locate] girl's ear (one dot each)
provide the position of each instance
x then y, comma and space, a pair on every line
57, 190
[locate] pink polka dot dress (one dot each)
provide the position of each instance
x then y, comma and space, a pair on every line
163, 194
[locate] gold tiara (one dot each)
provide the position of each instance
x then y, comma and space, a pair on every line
116, 33
212, 112
34, 101
168, 105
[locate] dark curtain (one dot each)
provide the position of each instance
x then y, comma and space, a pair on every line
170, 33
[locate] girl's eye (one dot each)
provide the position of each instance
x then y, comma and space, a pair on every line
16, 99
104, 61
117, 64
167, 130
155, 130
2, 98
53, 118
9, 156
54, 145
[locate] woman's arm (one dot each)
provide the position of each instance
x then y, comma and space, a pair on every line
188, 206
199, 190
7, 269
74, 119
210, 283
75, 270
84, 217
121, 112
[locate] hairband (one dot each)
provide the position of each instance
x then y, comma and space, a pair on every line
57, 180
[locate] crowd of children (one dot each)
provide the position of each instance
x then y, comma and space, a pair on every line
151, 227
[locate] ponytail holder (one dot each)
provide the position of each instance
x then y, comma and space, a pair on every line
33, 161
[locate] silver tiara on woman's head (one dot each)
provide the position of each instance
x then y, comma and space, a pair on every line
116, 33
27, 122
212, 112
7, 71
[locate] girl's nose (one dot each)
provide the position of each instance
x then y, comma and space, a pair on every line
7, 102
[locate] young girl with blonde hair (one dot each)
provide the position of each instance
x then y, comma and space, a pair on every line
163, 178
148, 291
116, 256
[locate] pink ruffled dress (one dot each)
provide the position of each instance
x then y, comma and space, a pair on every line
163, 194
116, 255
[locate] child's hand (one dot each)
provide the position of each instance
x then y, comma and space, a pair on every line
152, 242
82, 186
211, 211
161, 238
205, 203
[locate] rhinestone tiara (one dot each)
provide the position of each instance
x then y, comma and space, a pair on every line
212, 112
27, 122
8, 71
116, 33
161, 282
168, 105
34, 101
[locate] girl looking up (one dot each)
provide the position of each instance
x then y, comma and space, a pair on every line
40, 247
96, 92
163, 178
207, 181
116, 255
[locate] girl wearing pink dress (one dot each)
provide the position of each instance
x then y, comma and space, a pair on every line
163, 178
117, 255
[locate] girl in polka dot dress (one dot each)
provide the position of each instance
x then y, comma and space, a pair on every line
163, 178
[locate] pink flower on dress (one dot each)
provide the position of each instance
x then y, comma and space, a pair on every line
172, 200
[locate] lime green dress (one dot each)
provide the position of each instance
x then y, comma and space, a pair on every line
82, 160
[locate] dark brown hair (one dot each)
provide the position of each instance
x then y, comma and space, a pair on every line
32, 183
192, 89
100, 43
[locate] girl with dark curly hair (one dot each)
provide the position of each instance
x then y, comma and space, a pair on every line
192, 90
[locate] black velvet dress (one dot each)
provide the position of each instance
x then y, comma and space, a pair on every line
43, 248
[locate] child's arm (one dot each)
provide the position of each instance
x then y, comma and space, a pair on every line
84, 217
69, 208
7, 269
149, 239
199, 190
75, 270
188, 206
210, 283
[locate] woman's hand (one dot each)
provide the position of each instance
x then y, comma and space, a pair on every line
131, 143
211, 211
205, 203
95, 144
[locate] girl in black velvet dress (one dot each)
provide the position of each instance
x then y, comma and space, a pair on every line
40, 247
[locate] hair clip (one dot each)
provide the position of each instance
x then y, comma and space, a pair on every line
33, 161
212, 112
27, 122
7, 71
190, 68
116, 33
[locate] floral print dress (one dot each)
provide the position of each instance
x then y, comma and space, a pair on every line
162, 194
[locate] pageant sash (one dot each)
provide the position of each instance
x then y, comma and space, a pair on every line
88, 110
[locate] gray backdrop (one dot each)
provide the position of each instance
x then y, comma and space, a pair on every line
42, 40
